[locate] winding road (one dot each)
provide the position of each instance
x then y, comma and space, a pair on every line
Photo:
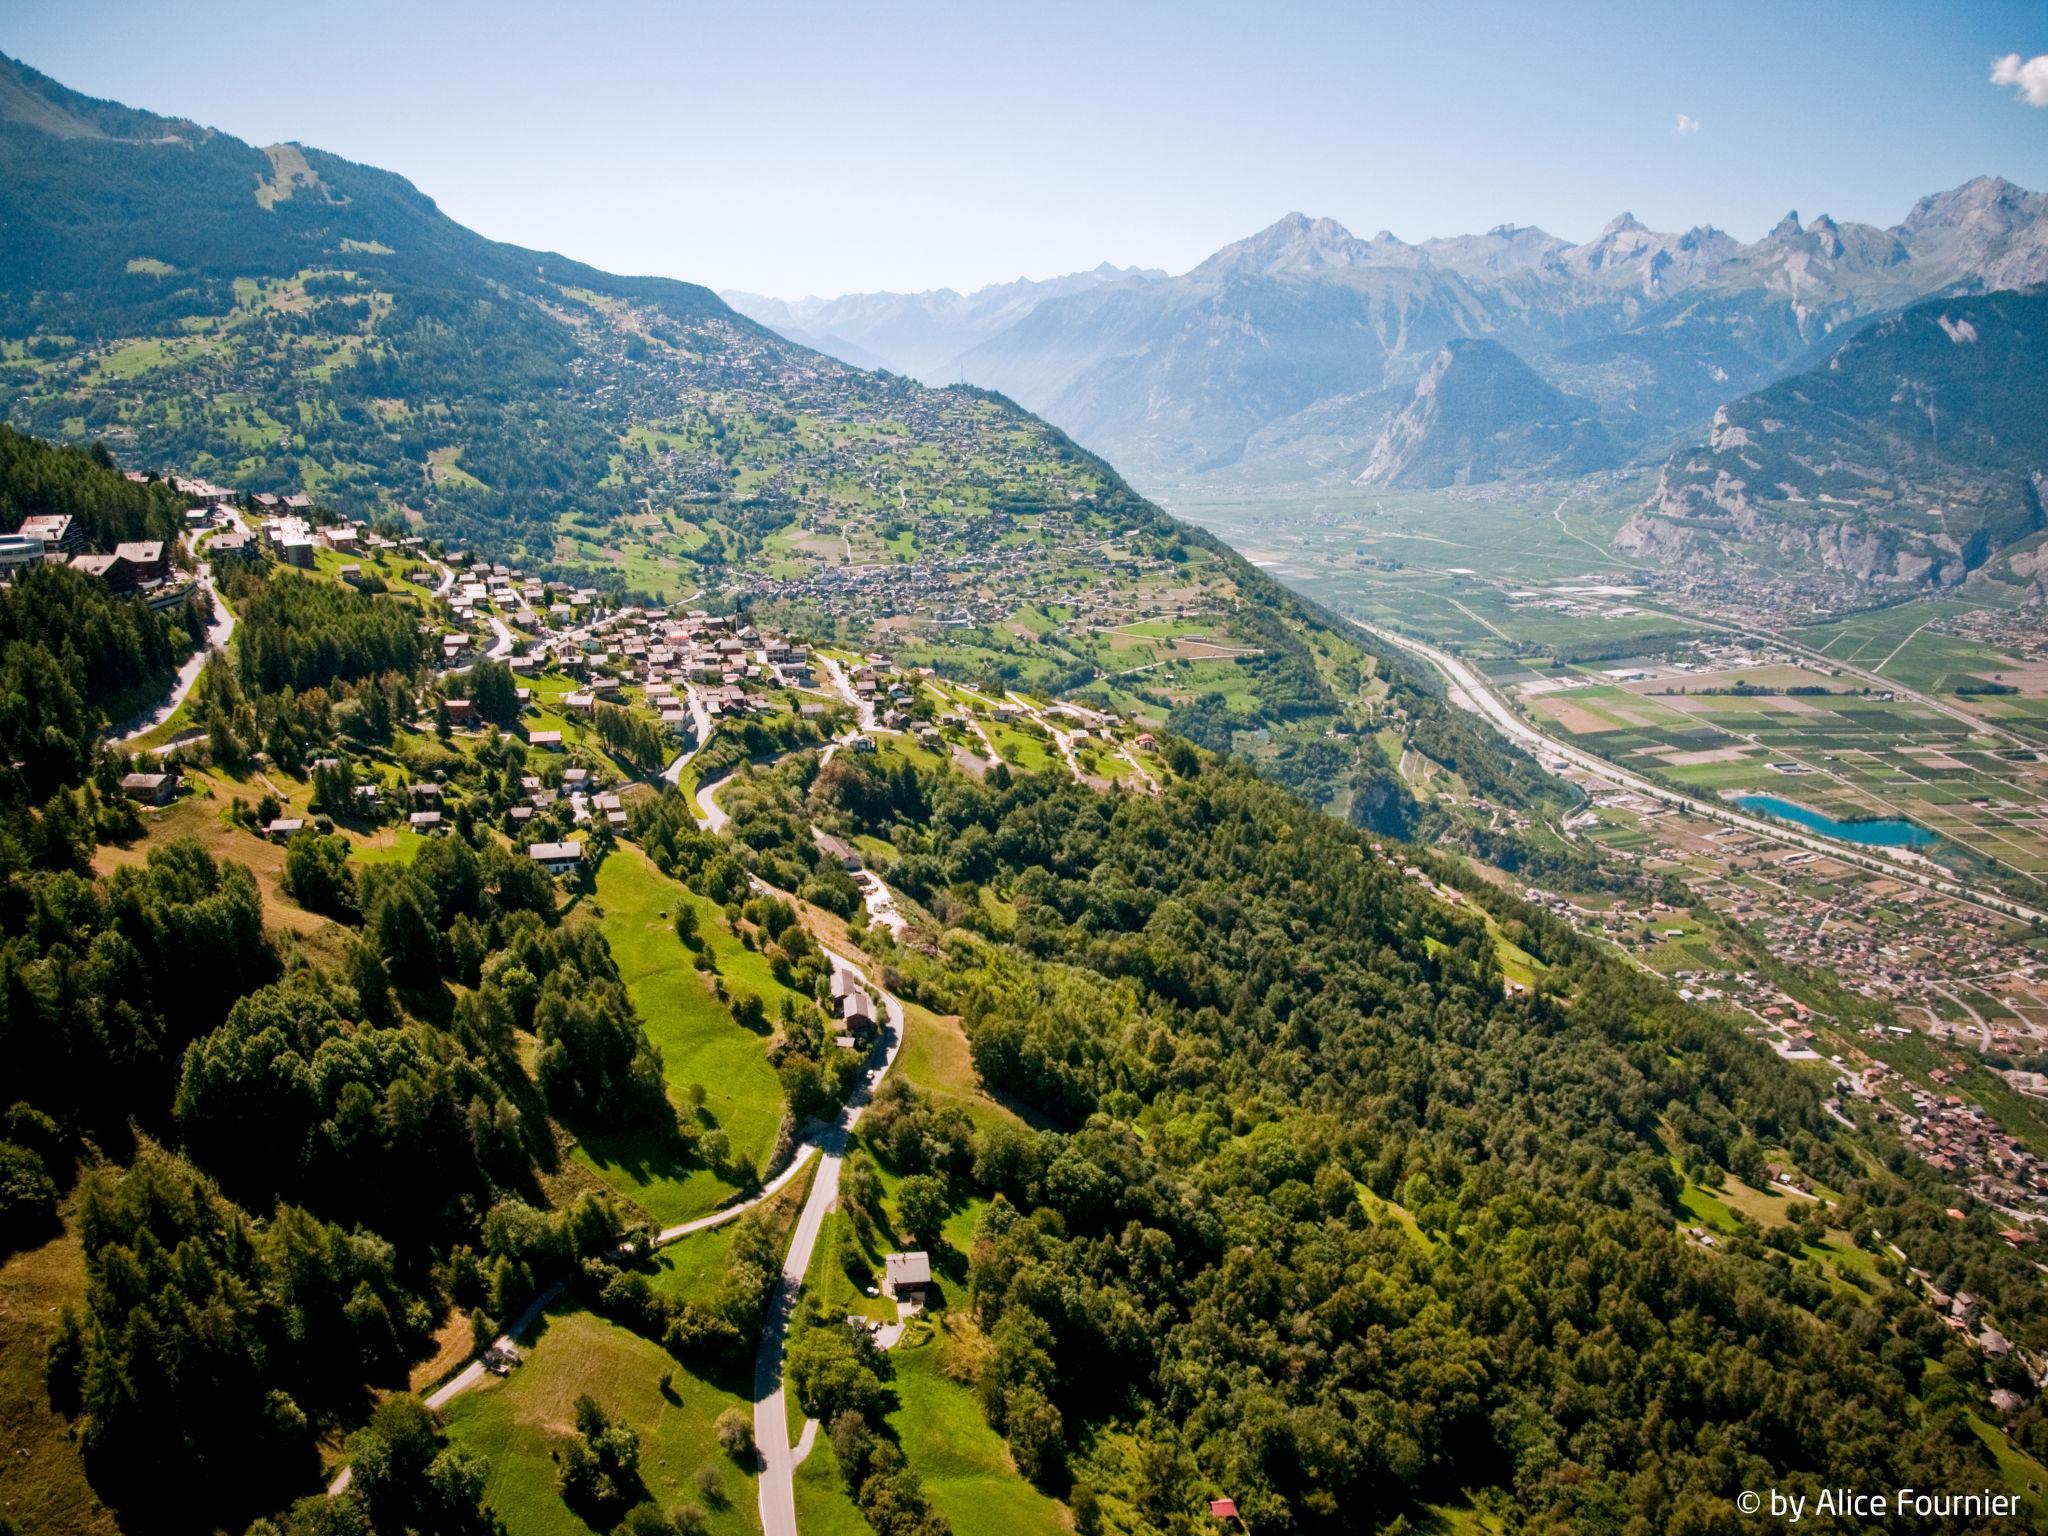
863, 708
700, 717
473, 1373
771, 1422
216, 638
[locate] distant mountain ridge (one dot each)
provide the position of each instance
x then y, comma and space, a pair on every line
924, 334
1283, 356
1477, 411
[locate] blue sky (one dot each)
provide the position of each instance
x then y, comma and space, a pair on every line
796, 149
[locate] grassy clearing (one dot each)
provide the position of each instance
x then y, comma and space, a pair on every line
823, 1506
935, 1060
965, 1465
699, 1040
1382, 1209
518, 1421
2016, 1469
42, 1480
694, 1269
198, 814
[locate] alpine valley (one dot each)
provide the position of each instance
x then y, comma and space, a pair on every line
633, 912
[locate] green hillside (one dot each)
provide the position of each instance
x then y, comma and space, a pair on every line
284, 320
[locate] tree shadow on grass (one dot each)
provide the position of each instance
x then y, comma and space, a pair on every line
644, 1154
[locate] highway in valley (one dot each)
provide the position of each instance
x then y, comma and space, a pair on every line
1475, 693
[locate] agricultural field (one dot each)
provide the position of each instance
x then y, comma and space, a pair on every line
1520, 583
1525, 567
1825, 741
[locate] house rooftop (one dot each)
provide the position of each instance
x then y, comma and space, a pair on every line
908, 1269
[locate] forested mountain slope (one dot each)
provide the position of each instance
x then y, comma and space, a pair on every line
1327, 1219
1480, 412
1246, 1166
1255, 1175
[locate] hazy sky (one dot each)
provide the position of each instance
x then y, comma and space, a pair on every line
795, 149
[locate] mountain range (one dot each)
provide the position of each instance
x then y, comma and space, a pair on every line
924, 334
1282, 358
289, 320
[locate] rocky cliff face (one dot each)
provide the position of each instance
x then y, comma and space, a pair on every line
1914, 456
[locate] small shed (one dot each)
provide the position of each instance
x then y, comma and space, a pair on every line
150, 788
907, 1276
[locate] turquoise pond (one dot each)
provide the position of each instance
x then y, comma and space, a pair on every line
1871, 834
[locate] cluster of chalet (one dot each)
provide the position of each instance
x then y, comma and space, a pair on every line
984, 573
890, 693
1958, 1138
139, 567
425, 814
722, 660
583, 789
286, 529
528, 601
477, 590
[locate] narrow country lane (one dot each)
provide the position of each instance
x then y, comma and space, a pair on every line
506, 640
771, 1424
700, 717
473, 1373
218, 632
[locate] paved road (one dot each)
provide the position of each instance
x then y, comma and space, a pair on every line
700, 715
864, 708
502, 646
473, 1373
714, 819
771, 1424
1480, 697
216, 638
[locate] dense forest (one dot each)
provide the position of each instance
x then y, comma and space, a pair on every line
283, 1171
39, 479
1322, 1216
